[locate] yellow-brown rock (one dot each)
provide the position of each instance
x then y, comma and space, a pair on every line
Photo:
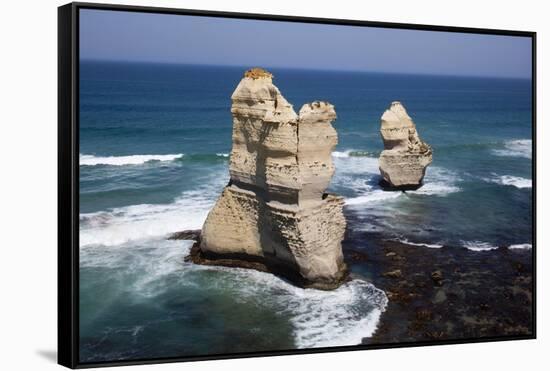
274, 212
405, 157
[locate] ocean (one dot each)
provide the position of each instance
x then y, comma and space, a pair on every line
154, 149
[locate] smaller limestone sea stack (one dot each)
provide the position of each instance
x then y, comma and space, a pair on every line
274, 214
405, 156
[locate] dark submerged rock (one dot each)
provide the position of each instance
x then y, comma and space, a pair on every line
189, 234
450, 293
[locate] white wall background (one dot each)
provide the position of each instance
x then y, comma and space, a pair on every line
28, 152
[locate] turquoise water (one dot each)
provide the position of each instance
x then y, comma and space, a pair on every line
154, 145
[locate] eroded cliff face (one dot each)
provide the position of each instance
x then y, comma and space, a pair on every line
405, 156
274, 212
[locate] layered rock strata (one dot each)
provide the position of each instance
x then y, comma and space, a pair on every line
405, 157
274, 214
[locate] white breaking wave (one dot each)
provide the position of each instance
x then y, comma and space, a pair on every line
522, 246
131, 223
346, 176
350, 153
376, 195
437, 182
435, 189
90, 160
478, 246
516, 148
319, 318
346, 164
222, 154
430, 245
509, 180
341, 154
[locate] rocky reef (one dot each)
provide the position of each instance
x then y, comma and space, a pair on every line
274, 214
405, 157
447, 293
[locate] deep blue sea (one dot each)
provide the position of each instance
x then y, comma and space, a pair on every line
154, 145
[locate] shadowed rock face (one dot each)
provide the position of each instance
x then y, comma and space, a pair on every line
275, 211
405, 156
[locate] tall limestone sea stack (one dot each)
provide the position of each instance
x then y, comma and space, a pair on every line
405, 156
274, 214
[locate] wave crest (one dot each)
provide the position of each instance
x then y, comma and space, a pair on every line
319, 318
351, 153
509, 180
135, 222
91, 160
516, 148
438, 182
429, 245
478, 246
521, 246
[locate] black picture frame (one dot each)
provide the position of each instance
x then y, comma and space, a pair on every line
68, 178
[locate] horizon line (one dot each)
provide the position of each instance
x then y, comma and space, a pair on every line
529, 78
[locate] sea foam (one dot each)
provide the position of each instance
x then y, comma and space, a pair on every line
509, 180
376, 195
478, 246
90, 160
438, 182
339, 317
351, 153
521, 246
131, 223
320, 318
516, 148
120, 225
429, 245
340, 154
361, 174
435, 189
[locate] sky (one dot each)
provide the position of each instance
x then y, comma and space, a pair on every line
165, 38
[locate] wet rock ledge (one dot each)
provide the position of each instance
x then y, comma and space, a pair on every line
450, 293
236, 260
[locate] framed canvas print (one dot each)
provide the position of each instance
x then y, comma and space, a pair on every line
236, 185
